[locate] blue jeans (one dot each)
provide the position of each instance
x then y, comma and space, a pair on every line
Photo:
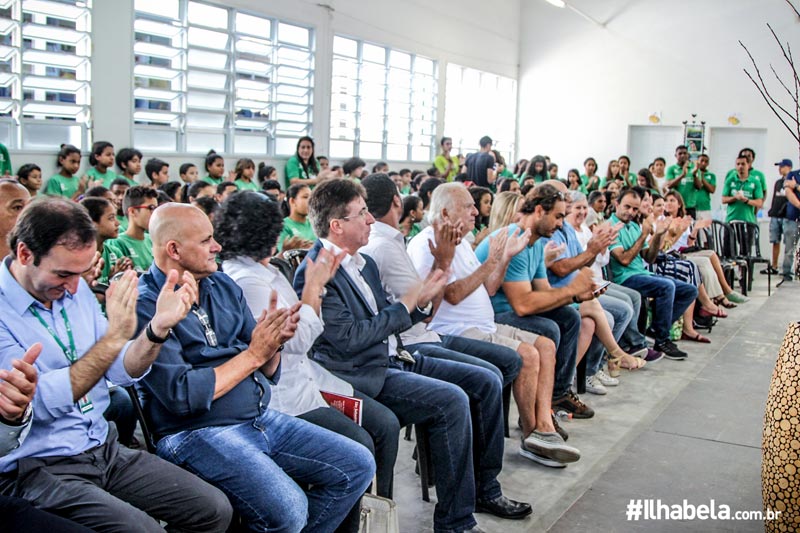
561, 325
672, 298
632, 339
255, 464
501, 360
438, 394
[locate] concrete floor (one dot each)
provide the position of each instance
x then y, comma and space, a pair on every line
675, 430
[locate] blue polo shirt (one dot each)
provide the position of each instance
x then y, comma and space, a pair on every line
178, 392
525, 266
564, 235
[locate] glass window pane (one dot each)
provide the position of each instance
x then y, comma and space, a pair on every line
208, 38
396, 152
202, 100
206, 15
374, 54
370, 150
345, 47
197, 142
205, 120
342, 149
291, 34
285, 146
253, 25
210, 60
155, 140
208, 80
46, 136
162, 8
400, 60
250, 144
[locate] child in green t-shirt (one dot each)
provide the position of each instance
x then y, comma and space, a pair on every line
65, 183
245, 171
215, 166
129, 161
296, 224
30, 177
102, 161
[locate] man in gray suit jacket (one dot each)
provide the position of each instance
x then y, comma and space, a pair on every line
360, 343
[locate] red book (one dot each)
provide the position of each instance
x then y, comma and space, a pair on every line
347, 405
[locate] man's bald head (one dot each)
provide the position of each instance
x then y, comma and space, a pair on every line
13, 197
172, 221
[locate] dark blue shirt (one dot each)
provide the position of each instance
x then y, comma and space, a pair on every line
179, 390
793, 213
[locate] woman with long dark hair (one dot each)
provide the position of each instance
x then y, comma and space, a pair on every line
303, 167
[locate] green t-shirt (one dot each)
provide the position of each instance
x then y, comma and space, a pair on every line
585, 181
757, 174
212, 181
626, 238
686, 186
106, 177
62, 186
123, 224
506, 173
632, 181
702, 197
441, 165
752, 191
296, 229
140, 252
5, 161
110, 255
246, 185
295, 170
413, 231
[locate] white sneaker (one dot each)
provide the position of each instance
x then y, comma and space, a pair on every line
595, 386
605, 379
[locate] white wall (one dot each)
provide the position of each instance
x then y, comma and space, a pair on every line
581, 85
468, 32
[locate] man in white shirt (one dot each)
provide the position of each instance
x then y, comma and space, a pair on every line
387, 247
466, 310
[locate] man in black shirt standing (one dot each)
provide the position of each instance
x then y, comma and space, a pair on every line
481, 166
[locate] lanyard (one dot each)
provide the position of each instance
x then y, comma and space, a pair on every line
70, 353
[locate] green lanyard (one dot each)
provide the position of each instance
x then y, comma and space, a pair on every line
70, 353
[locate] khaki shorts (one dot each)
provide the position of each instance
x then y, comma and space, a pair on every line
505, 335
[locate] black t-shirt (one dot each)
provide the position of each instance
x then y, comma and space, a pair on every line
779, 201
477, 165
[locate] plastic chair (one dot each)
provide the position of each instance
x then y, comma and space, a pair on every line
748, 248
722, 241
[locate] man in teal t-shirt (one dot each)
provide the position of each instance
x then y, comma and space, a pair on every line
679, 177
628, 255
742, 194
139, 204
525, 300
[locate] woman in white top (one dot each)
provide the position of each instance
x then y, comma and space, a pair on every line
247, 227
682, 237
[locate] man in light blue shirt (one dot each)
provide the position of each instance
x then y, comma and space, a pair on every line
70, 463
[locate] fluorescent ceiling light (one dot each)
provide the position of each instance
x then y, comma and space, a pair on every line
557, 3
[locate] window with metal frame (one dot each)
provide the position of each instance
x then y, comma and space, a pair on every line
383, 102
208, 76
480, 103
45, 73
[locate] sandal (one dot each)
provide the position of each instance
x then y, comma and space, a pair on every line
698, 338
725, 303
628, 362
719, 314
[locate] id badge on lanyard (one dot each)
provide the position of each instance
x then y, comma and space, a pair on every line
71, 353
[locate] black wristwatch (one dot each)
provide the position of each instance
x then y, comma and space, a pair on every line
575, 300
152, 337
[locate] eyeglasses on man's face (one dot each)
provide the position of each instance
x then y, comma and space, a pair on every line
148, 207
361, 214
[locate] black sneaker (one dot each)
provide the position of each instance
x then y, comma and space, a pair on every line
572, 404
670, 350
771, 270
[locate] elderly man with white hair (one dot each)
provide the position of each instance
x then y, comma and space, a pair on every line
466, 310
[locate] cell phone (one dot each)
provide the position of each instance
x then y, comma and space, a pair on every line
601, 287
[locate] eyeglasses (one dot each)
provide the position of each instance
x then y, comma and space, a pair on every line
150, 207
361, 214
202, 316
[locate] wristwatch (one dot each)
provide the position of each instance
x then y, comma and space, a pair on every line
575, 300
427, 309
152, 337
